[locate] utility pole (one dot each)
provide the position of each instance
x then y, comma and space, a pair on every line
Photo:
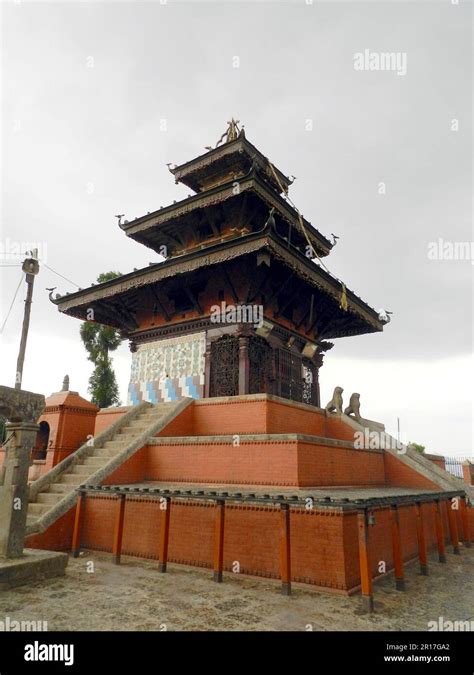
31, 268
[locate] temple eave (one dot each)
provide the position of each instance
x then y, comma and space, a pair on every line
152, 228
115, 303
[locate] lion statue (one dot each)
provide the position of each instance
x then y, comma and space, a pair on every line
335, 404
354, 406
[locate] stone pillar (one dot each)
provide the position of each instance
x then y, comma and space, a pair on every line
21, 437
468, 472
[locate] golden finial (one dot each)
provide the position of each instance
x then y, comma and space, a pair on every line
232, 132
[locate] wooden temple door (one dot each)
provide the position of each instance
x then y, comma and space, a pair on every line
260, 366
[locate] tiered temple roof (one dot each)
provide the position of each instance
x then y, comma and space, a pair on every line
238, 224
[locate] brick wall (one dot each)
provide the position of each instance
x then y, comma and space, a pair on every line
252, 537
286, 462
437, 459
397, 473
331, 466
107, 416
58, 537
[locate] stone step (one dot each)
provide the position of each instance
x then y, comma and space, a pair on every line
153, 414
144, 421
105, 454
48, 498
82, 469
94, 461
114, 445
71, 478
137, 428
30, 520
60, 488
37, 509
126, 438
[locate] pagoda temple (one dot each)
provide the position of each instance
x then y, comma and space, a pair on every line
242, 302
224, 453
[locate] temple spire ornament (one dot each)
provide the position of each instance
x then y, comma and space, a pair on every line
232, 132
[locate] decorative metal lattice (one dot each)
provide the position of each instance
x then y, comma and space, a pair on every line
260, 365
225, 366
289, 381
296, 377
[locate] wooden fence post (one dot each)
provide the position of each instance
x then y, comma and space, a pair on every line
165, 506
219, 540
285, 549
397, 549
364, 562
78, 520
118, 528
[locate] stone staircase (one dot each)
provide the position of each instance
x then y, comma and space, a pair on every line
55, 492
413, 459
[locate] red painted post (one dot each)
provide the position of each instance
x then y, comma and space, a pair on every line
364, 561
165, 506
118, 528
79, 516
466, 539
453, 526
219, 540
397, 549
420, 533
439, 532
285, 549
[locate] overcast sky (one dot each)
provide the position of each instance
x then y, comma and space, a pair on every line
98, 97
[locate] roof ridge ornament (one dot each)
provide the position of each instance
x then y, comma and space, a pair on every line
232, 132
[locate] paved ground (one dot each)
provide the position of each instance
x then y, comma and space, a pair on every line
134, 596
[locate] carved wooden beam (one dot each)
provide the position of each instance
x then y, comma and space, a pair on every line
216, 231
260, 281
126, 313
280, 289
110, 313
290, 300
228, 280
197, 307
161, 306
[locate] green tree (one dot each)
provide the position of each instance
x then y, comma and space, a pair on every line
99, 341
419, 448
2, 430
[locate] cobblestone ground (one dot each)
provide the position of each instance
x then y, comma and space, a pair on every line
134, 596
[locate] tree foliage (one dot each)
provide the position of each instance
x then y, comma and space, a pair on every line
419, 448
99, 341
